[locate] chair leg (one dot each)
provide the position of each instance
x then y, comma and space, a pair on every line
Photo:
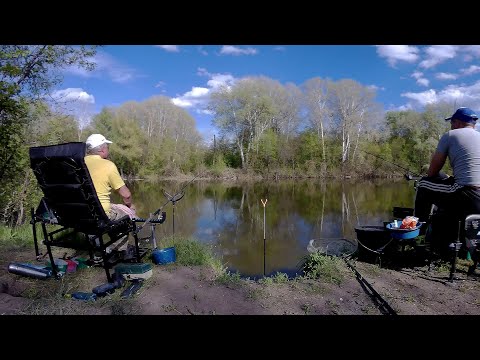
49, 251
455, 247
34, 229
52, 261
107, 271
137, 248
429, 248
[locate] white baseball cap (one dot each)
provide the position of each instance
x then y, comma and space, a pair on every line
95, 140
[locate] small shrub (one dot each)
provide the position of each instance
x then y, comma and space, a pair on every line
229, 278
321, 266
280, 278
189, 252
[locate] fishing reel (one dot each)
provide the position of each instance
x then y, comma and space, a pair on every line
410, 177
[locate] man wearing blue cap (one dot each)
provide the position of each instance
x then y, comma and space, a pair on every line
458, 194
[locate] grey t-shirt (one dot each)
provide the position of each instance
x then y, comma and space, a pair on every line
463, 149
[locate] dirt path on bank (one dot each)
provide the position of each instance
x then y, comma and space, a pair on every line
185, 290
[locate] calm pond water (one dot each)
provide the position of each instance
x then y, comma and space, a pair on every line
230, 216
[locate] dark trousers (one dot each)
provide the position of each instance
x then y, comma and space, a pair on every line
446, 194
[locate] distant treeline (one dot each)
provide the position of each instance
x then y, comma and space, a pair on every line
265, 129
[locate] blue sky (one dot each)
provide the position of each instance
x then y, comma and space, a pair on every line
404, 76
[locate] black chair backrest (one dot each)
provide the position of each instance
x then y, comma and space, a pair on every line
67, 186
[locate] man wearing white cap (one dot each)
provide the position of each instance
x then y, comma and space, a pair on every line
105, 177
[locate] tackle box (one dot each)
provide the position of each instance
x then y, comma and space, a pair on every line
133, 271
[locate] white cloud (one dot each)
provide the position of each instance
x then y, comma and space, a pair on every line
169, 48
106, 64
423, 82
216, 80
202, 51
418, 75
472, 69
437, 54
235, 50
160, 84
423, 98
460, 95
76, 102
219, 80
471, 49
198, 97
202, 72
446, 76
375, 87
405, 107
280, 48
395, 53
73, 94
192, 98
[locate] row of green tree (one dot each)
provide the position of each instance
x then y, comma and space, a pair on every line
321, 128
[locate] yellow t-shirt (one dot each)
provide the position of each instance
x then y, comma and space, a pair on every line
105, 177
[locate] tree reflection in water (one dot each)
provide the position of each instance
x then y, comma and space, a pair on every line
229, 216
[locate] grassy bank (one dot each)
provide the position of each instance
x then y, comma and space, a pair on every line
52, 296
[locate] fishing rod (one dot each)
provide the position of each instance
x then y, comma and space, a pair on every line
171, 198
383, 305
341, 253
409, 176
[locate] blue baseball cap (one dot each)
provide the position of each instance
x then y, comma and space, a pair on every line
464, 114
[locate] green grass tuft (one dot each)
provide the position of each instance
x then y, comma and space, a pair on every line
324, 267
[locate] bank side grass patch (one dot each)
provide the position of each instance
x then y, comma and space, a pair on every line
319, 266
17, 236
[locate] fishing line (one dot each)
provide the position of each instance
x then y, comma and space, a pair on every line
409, 173
174, 197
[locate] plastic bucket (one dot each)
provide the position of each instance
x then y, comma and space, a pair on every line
164, 256
370, 239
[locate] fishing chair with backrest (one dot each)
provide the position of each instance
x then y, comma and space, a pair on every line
70, 203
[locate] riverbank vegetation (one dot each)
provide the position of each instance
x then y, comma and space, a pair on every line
40, 297
266, 130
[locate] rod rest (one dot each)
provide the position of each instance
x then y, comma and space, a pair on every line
153, 221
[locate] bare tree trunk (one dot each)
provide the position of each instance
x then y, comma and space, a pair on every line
345, 144
21, 201
323, 209
242, 155
324, 154
358, 133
